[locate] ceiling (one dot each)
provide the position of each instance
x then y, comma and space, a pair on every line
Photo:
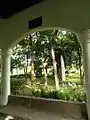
11, 7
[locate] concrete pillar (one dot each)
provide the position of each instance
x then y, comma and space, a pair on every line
5, 75
85, 42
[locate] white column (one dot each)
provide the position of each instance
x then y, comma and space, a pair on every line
85, 42
5, 75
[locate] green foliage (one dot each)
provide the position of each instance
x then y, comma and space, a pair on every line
36, 49
39, 44
17, 86
67, 92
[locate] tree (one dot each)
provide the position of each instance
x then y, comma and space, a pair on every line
45, 38
43, 56
32, 72
17, 59
43, 50
79, 60
53, 58
26, 55
62, 69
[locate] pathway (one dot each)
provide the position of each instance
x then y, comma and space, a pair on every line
32, 114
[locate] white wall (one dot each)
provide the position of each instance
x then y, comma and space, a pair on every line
70, 14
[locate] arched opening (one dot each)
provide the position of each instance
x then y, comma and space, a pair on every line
49, 64
64, 14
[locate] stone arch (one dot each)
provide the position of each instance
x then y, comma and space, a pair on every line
36, 30
54, 13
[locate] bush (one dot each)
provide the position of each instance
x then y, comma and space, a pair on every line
17, 86
67, 92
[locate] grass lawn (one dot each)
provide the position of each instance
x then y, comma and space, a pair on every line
75, 77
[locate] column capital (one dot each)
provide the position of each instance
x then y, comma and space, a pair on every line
84, 36
6, 50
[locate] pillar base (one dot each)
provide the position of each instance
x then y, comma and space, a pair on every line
4, 100
5, 75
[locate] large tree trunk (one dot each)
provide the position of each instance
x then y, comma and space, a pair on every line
26, 76
45, 76
45, 71
58, 70
62, 69
80, 66
54, 61
17, 71
32, 70
33, 76
81, 75
55, 68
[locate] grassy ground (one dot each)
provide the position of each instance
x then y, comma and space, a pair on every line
66, 91
73, 78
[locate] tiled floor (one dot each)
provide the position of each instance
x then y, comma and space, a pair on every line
33, 114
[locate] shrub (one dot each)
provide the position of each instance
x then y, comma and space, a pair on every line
67, 92
17, 86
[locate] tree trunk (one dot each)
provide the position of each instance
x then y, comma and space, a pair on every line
62, 69
55, 67
26, 76
12, 72
32, 70
24, 71
45, 71
53, 58
81, 75
45, 76
33, 77
80, 66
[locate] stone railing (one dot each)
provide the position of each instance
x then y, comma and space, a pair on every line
70, 109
